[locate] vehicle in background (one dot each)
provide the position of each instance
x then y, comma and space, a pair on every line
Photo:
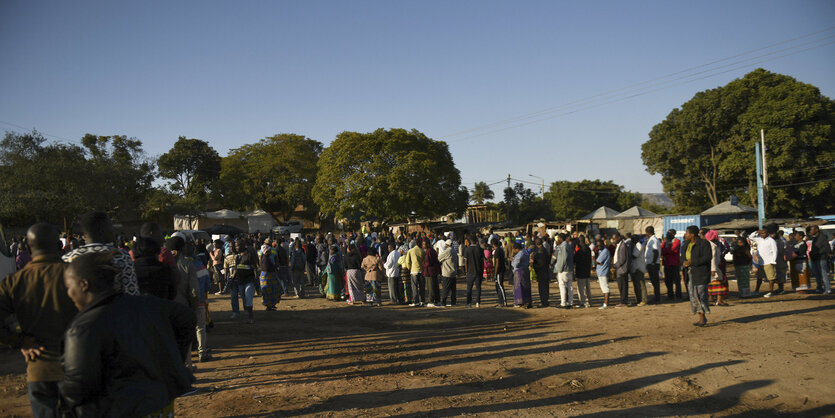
289, 227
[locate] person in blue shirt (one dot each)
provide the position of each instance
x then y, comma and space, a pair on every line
603, 261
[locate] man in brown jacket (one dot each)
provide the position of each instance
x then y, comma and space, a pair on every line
38, 298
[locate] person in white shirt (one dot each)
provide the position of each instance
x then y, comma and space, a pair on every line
393, 275
767, 252
637, 270
652, 256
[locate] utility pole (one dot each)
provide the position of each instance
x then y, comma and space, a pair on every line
760, 193
765, 166
508, 203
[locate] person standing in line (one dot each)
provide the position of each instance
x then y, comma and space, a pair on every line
354, 274
782, 266
698, 260
431, 270
742, 267
540, 263
37, 297
217, 266
99, 237
819, 254
269, 276
298, 264
603, 263
474, 269
652, 257
414, 259
393, 276
373, 268
310, 257
622, 264
189, 295
797, 263
405, 274
582, 271
521, 278
449, 269
245, 263
767, 253
717, 286
671, 253
500, 266
564, 267
638, 270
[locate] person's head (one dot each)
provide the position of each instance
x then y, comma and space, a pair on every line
814, 230
88, 276
616, 238
762, 233
151, 230
702, 232
176, 245
424, 244
650, 231
218, 244
671, 234
42, 238
601, 243
691, 233
741, 242
391, 246
372, 251
96, 227
537, 242
145, 247
799, 235
712, 235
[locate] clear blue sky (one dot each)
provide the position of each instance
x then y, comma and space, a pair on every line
234, 72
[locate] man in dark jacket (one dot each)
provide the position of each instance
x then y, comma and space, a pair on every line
37, 297
819, 255
622, 263
698, 261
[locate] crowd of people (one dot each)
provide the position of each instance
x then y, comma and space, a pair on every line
74, 296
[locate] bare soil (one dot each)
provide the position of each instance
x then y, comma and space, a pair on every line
757, 357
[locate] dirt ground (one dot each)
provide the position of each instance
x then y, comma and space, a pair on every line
757, 357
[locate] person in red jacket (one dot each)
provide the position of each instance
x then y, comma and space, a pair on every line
670, 253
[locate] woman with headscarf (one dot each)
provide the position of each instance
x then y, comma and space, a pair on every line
521, 278
334, 272
742, 267
354, 275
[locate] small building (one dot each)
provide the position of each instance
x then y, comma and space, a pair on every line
728, 211
636, 220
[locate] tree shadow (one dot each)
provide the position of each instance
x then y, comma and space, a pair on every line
760, 317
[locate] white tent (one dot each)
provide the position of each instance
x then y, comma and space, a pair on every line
254, 221
259, 221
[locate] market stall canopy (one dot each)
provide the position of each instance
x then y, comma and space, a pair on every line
602, 213
636, 212
729, 208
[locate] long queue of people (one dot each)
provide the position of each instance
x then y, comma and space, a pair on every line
109, 329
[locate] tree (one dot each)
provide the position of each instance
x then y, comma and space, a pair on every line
192, 165
388, 175
572, 200
40, 181
481, 193
523, 205
275, 174
705, 149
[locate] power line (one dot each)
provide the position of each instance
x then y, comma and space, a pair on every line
589, 102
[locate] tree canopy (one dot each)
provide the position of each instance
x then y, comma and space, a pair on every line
388, 175
704, 150
521, 205
192, 165
572, 200
481, 193
275, 174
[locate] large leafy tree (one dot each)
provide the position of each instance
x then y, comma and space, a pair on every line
481, 193
521, 205
192, 165
704, 150
275, 174
388, 175
123, 174
42, 181
571, 200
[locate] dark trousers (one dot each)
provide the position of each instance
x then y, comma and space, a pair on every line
473, 280
395, 290
623, 287
43, 397
448, 290
500, 295
433, 288
685, 276
672, 278
639, 285
418, 289
652, 270
543, 282
312, 278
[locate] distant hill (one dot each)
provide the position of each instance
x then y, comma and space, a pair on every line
660, 199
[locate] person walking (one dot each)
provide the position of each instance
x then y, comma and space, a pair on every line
244, 280
500, 266
698, 260
36, 296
